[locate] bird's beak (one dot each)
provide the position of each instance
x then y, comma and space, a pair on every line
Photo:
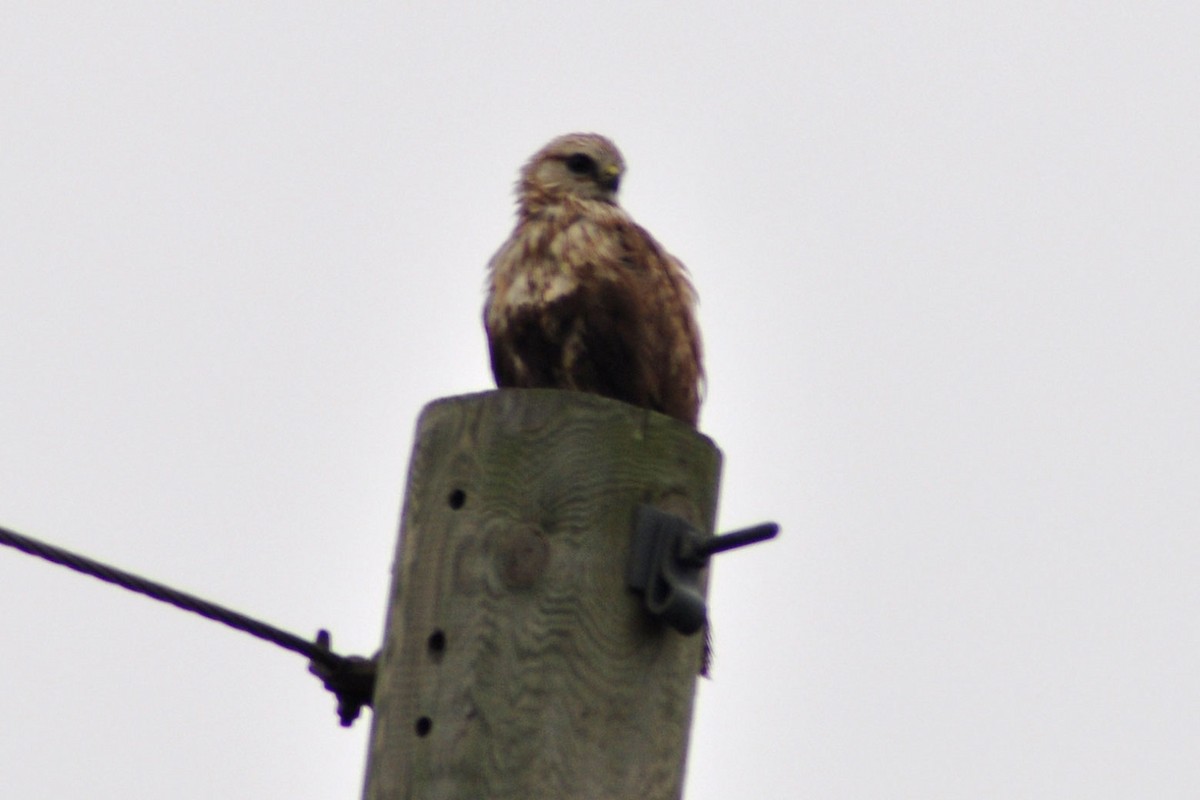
610, 177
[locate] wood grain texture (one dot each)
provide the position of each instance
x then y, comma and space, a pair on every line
516, 665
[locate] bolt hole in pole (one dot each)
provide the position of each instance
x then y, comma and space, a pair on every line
457, 499
424, 726
437, 645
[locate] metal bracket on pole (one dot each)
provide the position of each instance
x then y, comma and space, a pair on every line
352, 680
665, 562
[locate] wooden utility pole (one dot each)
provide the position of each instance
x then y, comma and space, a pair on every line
516, 664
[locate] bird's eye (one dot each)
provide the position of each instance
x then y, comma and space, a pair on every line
581, 164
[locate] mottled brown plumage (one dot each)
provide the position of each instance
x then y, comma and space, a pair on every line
581, 297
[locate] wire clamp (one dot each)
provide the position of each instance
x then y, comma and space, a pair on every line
350, 678
665, 561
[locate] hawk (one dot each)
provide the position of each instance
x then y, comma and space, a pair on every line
581, 297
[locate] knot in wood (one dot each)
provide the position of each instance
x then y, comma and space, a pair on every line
522, 553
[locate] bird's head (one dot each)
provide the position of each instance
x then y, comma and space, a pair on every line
585, 166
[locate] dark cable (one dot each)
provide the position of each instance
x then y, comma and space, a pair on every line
134, 583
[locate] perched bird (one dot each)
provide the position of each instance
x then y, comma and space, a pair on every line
582, 297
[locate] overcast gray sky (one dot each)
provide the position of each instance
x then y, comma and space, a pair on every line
947, 260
